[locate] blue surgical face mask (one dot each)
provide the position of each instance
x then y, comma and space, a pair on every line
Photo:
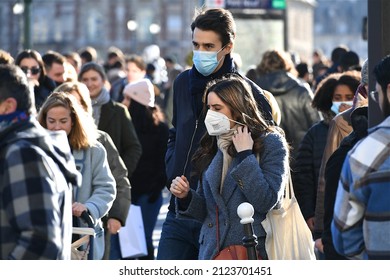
206, 62
336, 105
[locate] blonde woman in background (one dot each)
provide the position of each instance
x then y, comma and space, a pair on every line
117, 215
97, 193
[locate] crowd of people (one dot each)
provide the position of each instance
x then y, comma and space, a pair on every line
81, 136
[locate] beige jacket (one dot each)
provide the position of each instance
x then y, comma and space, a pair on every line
339, 128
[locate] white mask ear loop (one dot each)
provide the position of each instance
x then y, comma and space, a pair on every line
235, 121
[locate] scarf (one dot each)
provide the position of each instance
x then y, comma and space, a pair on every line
97, 104
223, 143
198, 82
9, 119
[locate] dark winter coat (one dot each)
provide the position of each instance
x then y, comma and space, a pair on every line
307, 167
294, 100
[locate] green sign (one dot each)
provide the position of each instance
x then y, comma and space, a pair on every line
279, 4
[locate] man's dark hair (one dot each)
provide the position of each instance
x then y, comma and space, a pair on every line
89, 54
349, 61
382, 75
13, 83
337, 53
302, 69
29, 53
218, 20
51, 57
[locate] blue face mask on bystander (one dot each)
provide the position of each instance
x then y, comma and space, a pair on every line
206, 62
336, 105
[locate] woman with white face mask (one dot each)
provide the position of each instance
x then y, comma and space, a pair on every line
240, 159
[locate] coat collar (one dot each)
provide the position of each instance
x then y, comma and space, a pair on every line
213, 177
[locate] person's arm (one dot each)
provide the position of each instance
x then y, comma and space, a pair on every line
159, 164
103, 184
332, 176
120, 207
305, 185
30, 207
169, 162
262, 180
347, 225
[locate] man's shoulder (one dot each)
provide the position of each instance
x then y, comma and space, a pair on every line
28, 145
255, 87
23, 132
183, 76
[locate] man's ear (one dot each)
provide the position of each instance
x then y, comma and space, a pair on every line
9, 105
229, 48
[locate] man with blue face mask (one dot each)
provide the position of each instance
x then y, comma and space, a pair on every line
213, 34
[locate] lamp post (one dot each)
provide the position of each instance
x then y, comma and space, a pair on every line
27, 44
245, 211
17, 10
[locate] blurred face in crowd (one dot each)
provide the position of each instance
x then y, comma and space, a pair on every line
133, 72
59, 118
383, 99
57, 73
93, 81
31, 68
343, 93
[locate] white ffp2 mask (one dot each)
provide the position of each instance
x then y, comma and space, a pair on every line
217, 123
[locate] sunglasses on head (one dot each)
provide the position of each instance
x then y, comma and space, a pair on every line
34, 70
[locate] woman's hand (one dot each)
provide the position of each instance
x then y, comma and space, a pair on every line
242, 139
78, 208
180, 187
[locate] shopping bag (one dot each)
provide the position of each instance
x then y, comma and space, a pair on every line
288, 236
132, 235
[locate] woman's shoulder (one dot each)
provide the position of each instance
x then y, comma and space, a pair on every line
275, 137
97, 148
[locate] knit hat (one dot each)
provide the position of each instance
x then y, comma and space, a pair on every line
141, 91
364, 72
